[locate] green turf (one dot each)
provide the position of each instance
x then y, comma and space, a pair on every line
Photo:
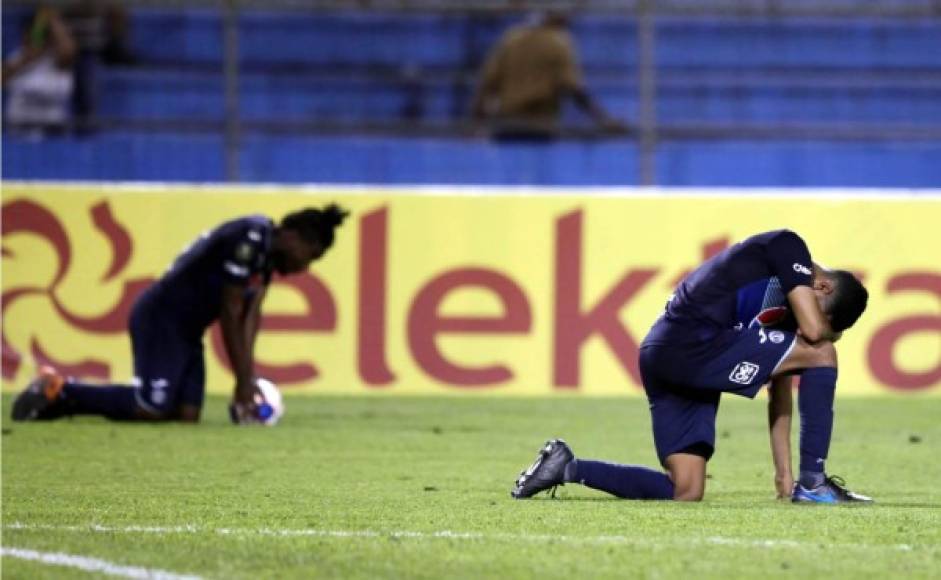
406, 468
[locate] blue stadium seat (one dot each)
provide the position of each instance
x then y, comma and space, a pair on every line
390, 160
155, 94
159, 93
847, 43
354, 39
129, 156
191, 35
195, 35
604, 41
123, 156
801, 105
799, 164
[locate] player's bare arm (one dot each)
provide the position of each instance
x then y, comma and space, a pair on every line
780, 411
234, 323
811, 320
253, 318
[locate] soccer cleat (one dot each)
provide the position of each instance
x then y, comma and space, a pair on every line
547, 471
38, 396
832, 490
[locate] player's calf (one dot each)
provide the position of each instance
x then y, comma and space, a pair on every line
688, 473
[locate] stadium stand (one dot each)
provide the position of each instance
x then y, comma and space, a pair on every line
355, 70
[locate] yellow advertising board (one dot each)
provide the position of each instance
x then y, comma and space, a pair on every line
458, 290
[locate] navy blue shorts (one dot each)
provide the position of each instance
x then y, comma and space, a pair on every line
685, 381
169, 370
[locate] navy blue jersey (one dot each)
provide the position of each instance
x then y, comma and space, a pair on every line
236, 253
744, 286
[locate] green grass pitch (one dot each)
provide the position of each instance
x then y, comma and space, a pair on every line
412, 487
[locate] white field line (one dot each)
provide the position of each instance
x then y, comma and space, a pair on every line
452, 535
92, 565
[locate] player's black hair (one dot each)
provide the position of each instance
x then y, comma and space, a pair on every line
316, 225
849, 300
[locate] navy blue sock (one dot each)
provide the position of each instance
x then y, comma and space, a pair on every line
115, 402
815, 403
625, 481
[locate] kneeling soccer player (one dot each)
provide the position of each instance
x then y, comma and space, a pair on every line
223, 275
759, 312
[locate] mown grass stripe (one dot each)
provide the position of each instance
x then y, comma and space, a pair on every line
454, 535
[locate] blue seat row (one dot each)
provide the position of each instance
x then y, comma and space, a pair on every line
338, 39
115, 156
170, 94
166, 157
396, 40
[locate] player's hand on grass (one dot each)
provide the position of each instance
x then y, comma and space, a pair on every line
245, 392
243, 407
784, 484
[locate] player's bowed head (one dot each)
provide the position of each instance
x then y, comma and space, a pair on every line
833, 303
842, 297
304, 236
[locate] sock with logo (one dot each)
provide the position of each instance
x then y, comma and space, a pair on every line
115, 402
815, 404
624, 481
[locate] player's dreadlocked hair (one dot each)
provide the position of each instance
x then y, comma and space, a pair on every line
849, 300
316, 225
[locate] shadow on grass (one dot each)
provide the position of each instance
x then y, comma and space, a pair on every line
906, 505
745, 505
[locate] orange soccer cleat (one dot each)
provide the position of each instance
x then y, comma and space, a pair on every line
39, 395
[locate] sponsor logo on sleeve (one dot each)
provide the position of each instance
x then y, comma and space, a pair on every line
744, 373
802, 269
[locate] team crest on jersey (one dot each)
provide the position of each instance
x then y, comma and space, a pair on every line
244, 252
744, 373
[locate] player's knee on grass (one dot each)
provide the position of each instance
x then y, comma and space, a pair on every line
189, 414
807, 356
688, 473
185, 414
151, 413
165, 415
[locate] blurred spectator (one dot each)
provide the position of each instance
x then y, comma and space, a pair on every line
526, 77
37, 77
101, 35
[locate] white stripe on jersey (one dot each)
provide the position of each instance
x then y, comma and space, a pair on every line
236, 270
